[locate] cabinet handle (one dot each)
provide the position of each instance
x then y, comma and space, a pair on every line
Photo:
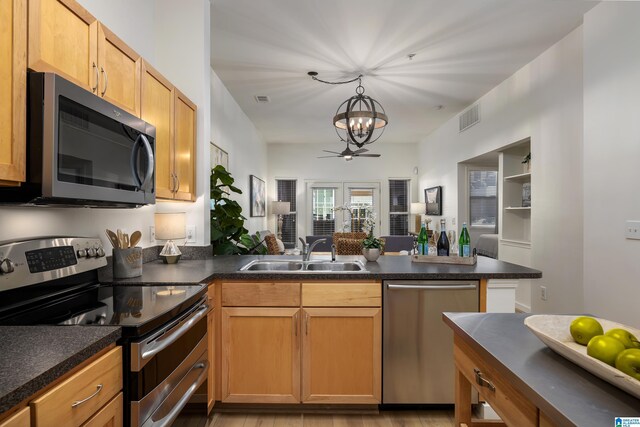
97, 79
177, 183
306, 323
173, 183
482, 381
80, 402
106, 81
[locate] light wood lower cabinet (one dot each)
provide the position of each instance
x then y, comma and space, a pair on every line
109, 416
328, 354
260, 355
341, 353
21, 419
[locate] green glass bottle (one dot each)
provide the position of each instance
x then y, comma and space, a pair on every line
423, 242
464, 242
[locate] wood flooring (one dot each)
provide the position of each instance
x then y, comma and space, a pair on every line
426, 418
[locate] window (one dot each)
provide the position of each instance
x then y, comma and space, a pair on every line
398, 207
286, 192
322, 204
483, 199
359, 200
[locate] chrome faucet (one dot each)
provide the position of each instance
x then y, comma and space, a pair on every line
308, 248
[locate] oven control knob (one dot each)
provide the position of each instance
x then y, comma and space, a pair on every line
99, 252
91, 252
82, 253
6, 266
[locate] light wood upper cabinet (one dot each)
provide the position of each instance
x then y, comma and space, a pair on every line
341, 353
13, 91
260, 355
185, 147
120, 68
157, 109
63, 40
66, 39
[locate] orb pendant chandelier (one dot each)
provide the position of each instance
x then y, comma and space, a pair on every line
360, 119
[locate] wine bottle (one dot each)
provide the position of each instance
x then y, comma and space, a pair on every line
464, 243
423, 245
443, 241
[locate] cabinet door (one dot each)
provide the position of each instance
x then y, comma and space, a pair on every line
341, 353
63, 40
20, 419
260, 355
13, 87
109, 416
157, 109
185, 147
120, 69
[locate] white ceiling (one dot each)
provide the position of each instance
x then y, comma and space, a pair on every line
463, 49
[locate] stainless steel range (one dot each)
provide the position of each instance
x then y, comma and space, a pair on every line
164, 328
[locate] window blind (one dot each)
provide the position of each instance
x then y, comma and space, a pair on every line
286, 192
323, 215
398, 207
483, 199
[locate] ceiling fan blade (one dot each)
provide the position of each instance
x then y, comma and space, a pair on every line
367, 155
332, 152
361, 150
326, 157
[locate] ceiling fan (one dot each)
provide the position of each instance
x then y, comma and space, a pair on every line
348, 154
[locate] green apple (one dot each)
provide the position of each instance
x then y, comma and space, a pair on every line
604, 348
625, 337
628, 361
584, 328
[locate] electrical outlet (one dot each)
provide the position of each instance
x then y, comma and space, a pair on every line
632, 230
543, 293
191, 234
152, 234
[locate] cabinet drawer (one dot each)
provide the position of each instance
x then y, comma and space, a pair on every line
345, 294
20, 419
73, 401
109, 416
257, 294
513, 408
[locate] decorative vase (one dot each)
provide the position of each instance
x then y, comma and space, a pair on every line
371, 254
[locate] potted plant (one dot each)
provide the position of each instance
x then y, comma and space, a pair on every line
526, 161
371, 246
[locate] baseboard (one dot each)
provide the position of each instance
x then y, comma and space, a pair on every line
521, 308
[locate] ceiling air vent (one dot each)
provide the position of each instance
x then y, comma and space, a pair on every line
262, 99
469, 117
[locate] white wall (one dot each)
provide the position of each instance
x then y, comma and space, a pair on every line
299, 161
232, 131
174, 36
611, 154
543, 101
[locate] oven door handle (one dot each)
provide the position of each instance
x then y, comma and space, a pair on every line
156, 346
168, 419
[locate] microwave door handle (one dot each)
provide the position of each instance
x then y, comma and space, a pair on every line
148, 176
134, 157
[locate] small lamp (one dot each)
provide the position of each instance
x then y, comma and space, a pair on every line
170, 226
418, 209
279, 209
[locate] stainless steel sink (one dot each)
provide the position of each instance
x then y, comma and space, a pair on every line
258, 265
277, 266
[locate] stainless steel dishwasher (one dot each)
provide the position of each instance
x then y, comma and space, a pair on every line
417, 353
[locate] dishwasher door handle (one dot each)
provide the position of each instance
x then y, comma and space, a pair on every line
433, 287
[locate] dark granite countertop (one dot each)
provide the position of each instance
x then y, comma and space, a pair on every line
32, 357
567, 393
387, 267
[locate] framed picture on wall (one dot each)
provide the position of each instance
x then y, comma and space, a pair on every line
258, 196
433, 198
219, 157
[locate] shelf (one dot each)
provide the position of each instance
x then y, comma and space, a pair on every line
518, 208
522, 177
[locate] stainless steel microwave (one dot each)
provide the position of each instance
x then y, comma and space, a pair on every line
82, 150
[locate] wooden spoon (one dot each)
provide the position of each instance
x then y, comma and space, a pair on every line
135, 238
112, 238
